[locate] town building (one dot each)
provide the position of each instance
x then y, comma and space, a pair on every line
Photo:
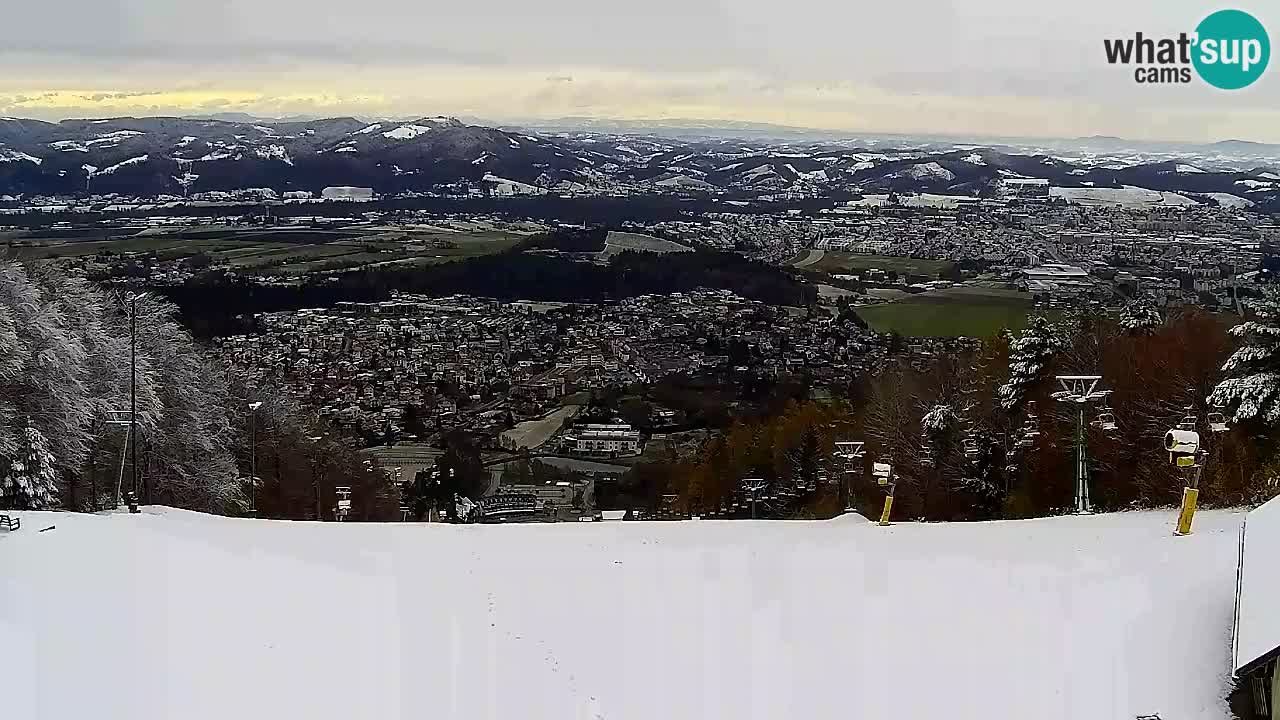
607, 440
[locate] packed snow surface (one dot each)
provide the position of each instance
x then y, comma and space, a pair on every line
170, 614
1227, 200
276, 152
68, 146
123, 163
406, 132
1127, 195
929, 170
7, 155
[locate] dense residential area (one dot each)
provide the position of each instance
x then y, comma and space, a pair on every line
650, 365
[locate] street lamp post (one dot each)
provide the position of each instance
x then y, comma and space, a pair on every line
253, 456
315, 477
133, 398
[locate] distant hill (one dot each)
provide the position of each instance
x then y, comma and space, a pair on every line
1244, 145
184, 156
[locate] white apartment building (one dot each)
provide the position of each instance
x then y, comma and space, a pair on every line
607, 440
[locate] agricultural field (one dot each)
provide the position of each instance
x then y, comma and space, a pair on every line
533, 434
275, 250
617, 242
1126, 196
959, 311
839, 262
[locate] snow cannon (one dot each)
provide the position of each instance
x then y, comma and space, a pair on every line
882, 472
1182, 442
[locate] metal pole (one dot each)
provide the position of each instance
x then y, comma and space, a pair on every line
1079, 479
888, 506
1083, 504
253, 460
1080, 460
133, 396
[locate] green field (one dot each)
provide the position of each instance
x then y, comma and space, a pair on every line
255, 249
967, 311
838, 262
161, 245
944, 319
291, 254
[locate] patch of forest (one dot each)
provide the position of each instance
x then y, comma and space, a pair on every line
216, 304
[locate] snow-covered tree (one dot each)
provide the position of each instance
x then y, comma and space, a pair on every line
939, 419
1251, 390
30, 482
65, 362
1139, 317
189, 459
1029, 356
43, 374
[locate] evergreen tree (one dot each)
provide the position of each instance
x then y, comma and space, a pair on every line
30, 482
43, 378
940, 419
1251, 389
412, 420
805, 459
1139, 317
1029, 356
941, 428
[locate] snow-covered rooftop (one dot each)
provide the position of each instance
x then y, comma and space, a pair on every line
1258, 614
174, 614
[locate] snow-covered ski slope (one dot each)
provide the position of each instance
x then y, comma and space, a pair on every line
172, 614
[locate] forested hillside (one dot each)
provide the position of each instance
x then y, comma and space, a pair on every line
979, 435
66, 373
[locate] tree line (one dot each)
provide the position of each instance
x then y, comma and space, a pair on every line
216, 304
74, 359
979, 435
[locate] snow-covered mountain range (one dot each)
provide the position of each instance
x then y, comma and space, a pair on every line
154, 156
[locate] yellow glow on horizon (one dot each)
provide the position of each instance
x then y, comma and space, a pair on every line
509, 94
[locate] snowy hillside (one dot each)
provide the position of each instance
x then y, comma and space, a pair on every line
173, 614
191, 155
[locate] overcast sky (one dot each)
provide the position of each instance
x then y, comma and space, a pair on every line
994, 67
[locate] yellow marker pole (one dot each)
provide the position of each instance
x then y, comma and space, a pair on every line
1190, 494
1188, 513
888, 505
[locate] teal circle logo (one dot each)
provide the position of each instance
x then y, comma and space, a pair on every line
1231, 49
